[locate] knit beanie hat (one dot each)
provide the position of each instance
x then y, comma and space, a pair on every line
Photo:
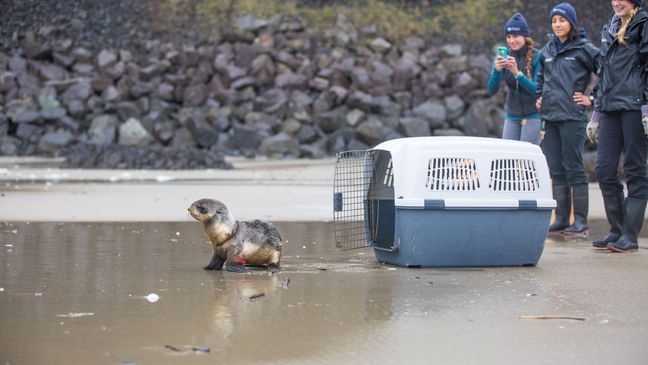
637, 2
517, 25
566, 11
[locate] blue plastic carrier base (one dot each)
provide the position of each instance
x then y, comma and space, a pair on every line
455, 238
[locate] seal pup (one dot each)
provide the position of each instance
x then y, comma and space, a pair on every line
237, 243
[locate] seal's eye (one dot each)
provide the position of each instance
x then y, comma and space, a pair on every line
201, 208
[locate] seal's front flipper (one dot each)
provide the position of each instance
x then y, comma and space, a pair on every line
273, 269
236, 267
216, 263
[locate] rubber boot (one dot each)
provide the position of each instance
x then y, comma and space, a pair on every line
632, 222
562, 195
614, 212
580, 197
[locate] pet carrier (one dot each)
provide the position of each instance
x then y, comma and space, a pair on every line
444, 201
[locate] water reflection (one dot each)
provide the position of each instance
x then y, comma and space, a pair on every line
107, 269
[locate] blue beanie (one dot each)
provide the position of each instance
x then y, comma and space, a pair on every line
637, 2
566, 11
517, 25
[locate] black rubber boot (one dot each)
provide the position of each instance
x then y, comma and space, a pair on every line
562, 195
580, 197
614, 212
632, 222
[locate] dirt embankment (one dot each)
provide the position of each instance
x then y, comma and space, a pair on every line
120, 23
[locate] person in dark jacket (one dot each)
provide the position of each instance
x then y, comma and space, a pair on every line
520, 72
620, 123
567, 62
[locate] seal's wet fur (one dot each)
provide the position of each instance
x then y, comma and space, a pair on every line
237, 243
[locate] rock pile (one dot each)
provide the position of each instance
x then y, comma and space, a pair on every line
268, 87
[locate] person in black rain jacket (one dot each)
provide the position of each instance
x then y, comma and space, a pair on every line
567, 62
620, 123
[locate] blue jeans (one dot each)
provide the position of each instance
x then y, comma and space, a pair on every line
622, 131
563, 146
527, 130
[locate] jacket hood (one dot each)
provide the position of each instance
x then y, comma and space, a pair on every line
553, 40
641, 17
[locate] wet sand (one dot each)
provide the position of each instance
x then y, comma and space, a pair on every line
74, 293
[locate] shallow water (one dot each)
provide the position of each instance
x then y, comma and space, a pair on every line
77, 294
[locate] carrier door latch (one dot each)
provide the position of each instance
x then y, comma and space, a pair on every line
527, 204
337, 202
438, 204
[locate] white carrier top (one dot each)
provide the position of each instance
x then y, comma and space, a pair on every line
467, 172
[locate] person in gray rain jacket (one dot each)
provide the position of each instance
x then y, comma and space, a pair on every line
567, 62
520, 71
620, 123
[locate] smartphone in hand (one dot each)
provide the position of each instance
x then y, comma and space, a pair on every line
502, 51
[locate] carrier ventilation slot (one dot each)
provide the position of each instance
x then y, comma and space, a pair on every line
353, 172
452, 174
514, 175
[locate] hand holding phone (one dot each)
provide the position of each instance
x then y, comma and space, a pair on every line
502, 58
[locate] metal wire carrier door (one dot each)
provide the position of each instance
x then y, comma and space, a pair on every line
353, 173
